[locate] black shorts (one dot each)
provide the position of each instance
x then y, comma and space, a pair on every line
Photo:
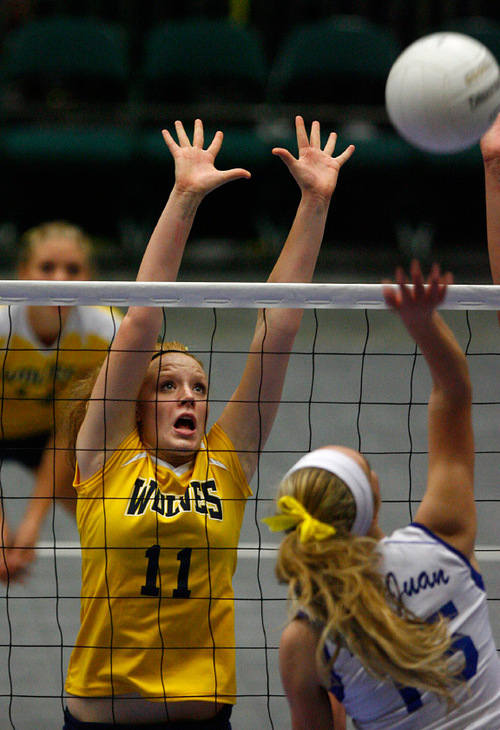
27, 451
219, 722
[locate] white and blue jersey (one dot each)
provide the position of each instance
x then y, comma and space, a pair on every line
430, 577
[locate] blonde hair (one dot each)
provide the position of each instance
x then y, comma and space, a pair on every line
81, 392
175, 346
52, 229
338, 582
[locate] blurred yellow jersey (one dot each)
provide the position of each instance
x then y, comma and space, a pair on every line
34, 377
159, 550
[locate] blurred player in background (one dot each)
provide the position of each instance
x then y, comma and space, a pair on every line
43, 351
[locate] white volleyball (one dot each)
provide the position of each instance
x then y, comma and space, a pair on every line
443, 92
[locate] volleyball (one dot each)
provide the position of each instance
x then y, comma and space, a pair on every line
443, 92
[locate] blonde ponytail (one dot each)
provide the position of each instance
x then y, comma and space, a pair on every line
338, 582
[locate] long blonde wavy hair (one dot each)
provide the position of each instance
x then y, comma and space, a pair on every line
338, 582
81, 392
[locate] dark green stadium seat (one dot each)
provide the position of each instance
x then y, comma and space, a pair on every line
216, 70
67, 143
64, 137
199, 60
335, 70
343, 59
63, 62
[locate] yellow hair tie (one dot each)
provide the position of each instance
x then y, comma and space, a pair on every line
294, 513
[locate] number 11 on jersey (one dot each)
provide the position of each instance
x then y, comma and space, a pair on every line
151, 589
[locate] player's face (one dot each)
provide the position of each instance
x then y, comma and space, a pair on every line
172, 407
57, 259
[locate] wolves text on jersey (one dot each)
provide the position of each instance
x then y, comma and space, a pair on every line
199, 497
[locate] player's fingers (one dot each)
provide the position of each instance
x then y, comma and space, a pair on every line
447, 278
400, 276
315, 138
234, 174
198, 134
181, 134
300, 129
416, 271
442, 286
434, 281
417, 279
405, 293
216, 143
330, 143
390, 294
438, 283
285, 155
169, 140
434, 274
345, 155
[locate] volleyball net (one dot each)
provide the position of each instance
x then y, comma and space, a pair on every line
354, 378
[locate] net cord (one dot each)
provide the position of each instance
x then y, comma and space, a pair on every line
240, 295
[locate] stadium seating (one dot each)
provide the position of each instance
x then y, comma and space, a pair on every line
343, 59
203, 60
85, 89
63, 62
64, 85
335, 70
210, 68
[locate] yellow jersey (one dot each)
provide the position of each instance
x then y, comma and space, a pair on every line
34, 377
159, 550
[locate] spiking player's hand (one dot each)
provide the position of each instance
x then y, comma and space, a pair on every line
415, 304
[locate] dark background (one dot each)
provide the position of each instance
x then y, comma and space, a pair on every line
86, 145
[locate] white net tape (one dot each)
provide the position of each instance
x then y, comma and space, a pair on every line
239, 295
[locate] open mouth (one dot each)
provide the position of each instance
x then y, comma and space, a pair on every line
187, 424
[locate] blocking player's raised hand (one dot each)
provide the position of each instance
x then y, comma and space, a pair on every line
315, 169
195, 170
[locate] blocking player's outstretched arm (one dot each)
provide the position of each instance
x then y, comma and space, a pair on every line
249, 416
111, 413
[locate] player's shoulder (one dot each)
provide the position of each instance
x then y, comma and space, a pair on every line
410, 534
7, 311
222, 452
298, 651
4, 315
97, 319
299, 635
407, 545
13, 319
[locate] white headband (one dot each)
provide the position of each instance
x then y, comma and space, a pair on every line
338, 463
